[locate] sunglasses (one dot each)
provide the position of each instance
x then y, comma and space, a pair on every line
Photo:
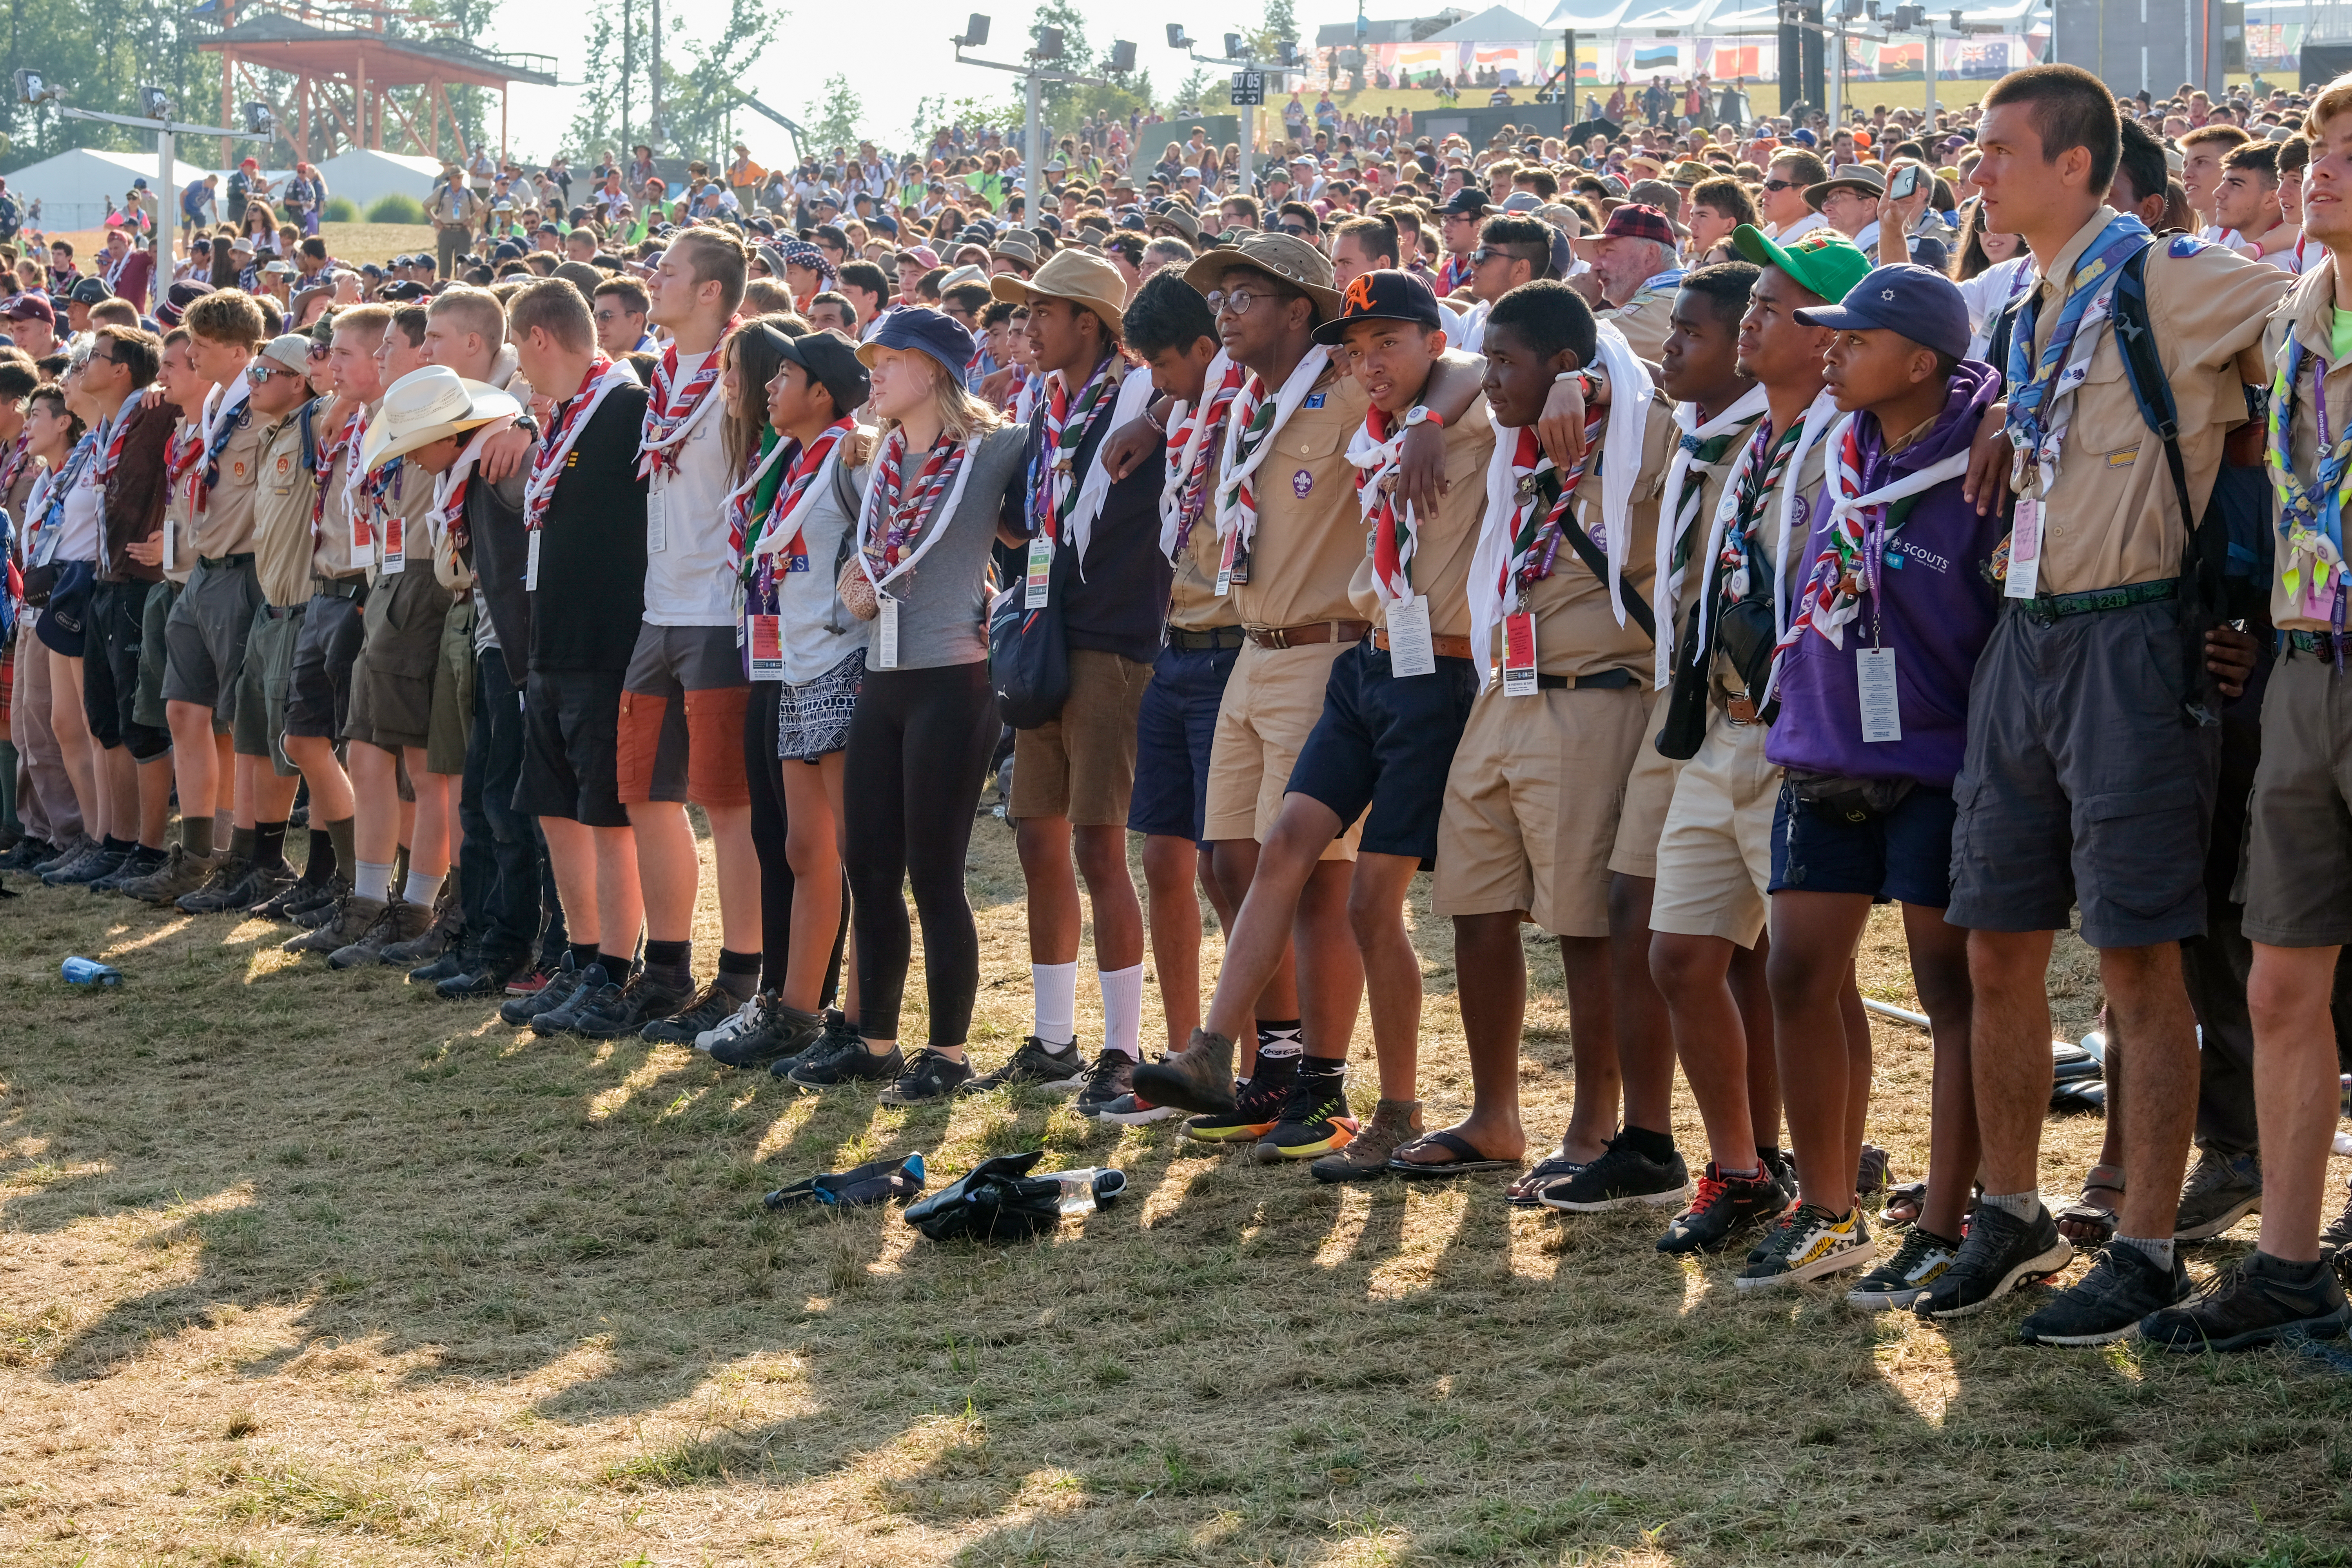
1780, 184
1297, 230
258, 372
1486, 253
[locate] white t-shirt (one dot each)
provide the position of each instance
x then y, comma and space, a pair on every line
1802, 226
78, 539
690, 581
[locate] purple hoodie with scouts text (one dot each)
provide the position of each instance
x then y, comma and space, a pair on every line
1938, 610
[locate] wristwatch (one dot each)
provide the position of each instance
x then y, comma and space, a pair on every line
1418, 414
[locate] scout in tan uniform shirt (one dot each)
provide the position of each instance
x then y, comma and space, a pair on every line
1636, 256
2088, 779
1391, 706
1715, 854
1532, 800
1291, 537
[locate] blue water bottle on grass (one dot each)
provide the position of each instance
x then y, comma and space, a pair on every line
89, 971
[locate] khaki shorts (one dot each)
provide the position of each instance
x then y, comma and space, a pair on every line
1082, 766
1532, 805
1715, 857
453, 693
1649, 790
2299, 843
154, 649
391, 679
260, 727
1272, 701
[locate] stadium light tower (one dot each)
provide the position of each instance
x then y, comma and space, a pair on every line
1042, 65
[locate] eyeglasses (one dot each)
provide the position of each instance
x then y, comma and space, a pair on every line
1234, 302
1486, 253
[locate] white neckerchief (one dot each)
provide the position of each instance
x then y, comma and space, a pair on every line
1134, 394
1180, 465
1629, 389
221, 407
1383, 458
1813, 427
1665, 588
438, 520
649, 444
934, 526
1234, 515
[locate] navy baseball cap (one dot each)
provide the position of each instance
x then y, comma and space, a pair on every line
1386, 294
1906, 298
922, 330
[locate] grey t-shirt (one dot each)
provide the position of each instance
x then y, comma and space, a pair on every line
943, 601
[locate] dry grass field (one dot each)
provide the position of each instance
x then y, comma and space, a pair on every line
305, 1269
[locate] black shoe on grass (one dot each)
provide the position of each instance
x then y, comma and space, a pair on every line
1057, 1069
2124, 1285
2254, 1300
929, 1078
1623, 1176
2000, 1253
848, 1061
1723, 1207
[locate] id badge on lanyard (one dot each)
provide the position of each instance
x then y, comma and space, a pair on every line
1882, 712
2024, 549
531, 564
1411, 649
656, 522
1225, 561
886, 638
362, 536
1519, 655
765, 635
1039, 583
395, 544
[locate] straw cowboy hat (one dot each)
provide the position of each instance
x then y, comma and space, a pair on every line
428, 405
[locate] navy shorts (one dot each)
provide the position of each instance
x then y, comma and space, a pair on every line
1905, 854
1172, 732
1386, 742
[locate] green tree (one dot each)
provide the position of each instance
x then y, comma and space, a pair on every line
697, 102
832, 120
596, 121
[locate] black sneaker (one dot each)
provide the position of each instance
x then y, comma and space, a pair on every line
1722, 1208
1257, 1104
487, 978
2220, 1191
1111, 1076
224, 892
28, 854
2254, 1300
2124, 1285
1999, 1253
642, 1001
1314, 1120
64, 854
779, 1039
848, 1062
713, 1007
448, 965
87, 868
2335, 1236
928, 1078
1057, 1069
1623, 1175
136, 864
521, 1009
556, 1017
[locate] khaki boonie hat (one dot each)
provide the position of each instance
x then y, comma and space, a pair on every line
1282, 255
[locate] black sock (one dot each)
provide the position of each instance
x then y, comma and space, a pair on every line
1768, 1155
120, 846
1278, 1038
1658, 1146
670, 961
616, 970
583, 954
1314, 1070
240, 844
145, 856
739, 974
322, 864
269, 844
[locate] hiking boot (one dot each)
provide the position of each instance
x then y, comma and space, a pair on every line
642, 1001
1256, 1109
86, 867
1394, 1123
1901, 1279
347, 922
441, 934
1808, 1242
486, 977
1200, 1078
1112, 1078
399, 920
433, 972
136, 865
560, 1016
267, 881
838, 1034
224, 892
1871, 1176
1313, 1120
28, 854
2254, 1300
180, 875
1722, 1208
521, 1007
1623, 1176
2220, 1191
845, 1062
929, 1078
710, 1007
2124, 1285
1057, 1069
777, 1034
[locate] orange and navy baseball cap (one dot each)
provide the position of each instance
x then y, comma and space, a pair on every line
1387, 295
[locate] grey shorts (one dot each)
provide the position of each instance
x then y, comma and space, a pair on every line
260, 728
392, 680
205, 637
2084, 780
154, 652
681, 718
318, 689
2299, 848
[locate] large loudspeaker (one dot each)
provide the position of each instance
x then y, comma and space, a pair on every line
2152, 46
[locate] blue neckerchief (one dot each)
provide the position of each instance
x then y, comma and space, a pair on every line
1660, 279
2032, 384
2321, 504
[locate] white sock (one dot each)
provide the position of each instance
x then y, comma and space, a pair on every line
1122, 994
1057, 986
422, 890
371, 880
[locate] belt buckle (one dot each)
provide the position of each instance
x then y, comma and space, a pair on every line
1742, 711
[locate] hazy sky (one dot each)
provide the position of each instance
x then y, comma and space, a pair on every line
894, 54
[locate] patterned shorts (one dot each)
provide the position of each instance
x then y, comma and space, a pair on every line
814, 719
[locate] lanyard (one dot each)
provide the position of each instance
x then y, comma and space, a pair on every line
2040, 386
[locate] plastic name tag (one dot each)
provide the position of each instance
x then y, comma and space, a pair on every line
530, 565
362, 538
1519, 655
171, 542
1410, 651
395, 545
1882, 713
656, 522
2024, 550
886, 639
767, 637
1225, 561
1040, 580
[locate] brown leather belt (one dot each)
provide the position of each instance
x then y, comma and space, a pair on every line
1443, 648
1312, 632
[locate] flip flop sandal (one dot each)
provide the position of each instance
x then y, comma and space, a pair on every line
1911, 1196
1539, 1178
1466, 1158
2083, 1212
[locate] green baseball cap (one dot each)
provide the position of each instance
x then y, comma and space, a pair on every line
1824, 262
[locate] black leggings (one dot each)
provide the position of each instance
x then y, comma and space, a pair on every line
918, 749
769, 827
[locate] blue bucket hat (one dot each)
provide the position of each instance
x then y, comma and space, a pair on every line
921, 330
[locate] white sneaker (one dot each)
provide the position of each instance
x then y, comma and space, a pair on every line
735, 1023
1807, 1243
